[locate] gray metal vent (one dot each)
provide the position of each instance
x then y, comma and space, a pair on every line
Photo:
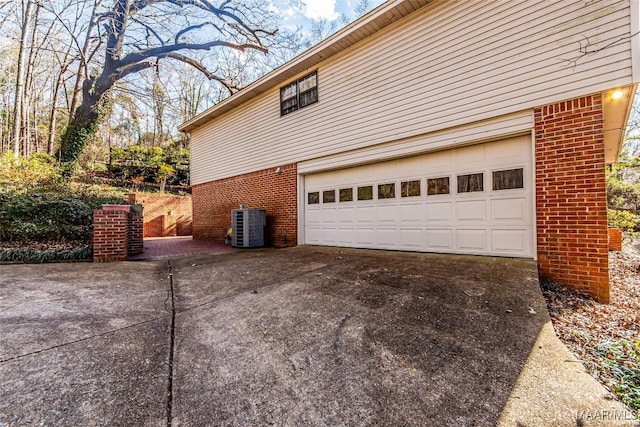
248, 227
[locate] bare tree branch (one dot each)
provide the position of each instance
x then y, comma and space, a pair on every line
198, 66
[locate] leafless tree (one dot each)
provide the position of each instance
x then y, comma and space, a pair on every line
135, 36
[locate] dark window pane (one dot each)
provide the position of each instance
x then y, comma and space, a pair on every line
308, 97
438, 186
386, 191
346, 194
288, 92
410, 188
470, 183
329, 196
508, 179
308, 82
313, 198
365, 193
288, 106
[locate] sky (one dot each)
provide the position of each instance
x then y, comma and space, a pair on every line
305, 12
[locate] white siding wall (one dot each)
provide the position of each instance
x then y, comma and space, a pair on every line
452, 63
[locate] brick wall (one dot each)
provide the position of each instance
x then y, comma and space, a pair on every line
165, 215
615, 239
110, 235
266, 189
571, 195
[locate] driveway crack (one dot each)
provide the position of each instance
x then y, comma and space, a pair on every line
172, 307
64, 344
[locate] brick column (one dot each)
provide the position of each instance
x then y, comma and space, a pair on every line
110, 233
571, 195
135, 232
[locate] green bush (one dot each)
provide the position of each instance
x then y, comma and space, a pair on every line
32, 255
51, 217
624, 220
20, 175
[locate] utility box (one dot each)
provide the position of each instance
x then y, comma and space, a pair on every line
248, 227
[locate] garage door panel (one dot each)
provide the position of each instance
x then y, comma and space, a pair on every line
471, 210
510, 241
329, 235
491, 222
387, 214
313, 235
438, 163
411, 213
508, 209
347, 215
314, 216
439, 239
387, 237
439, 212
469, 158
346, 235
471, 240
366, 236
410, 238
365, 214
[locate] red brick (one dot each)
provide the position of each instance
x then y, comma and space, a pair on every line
265, 189
571, 195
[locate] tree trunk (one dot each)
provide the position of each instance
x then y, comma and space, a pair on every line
84, 59
80, 129
18, 107
52, 119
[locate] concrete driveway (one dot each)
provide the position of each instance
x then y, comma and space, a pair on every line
301, 336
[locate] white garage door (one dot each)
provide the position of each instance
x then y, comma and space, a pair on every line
474, 200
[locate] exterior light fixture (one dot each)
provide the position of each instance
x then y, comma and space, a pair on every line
616, 94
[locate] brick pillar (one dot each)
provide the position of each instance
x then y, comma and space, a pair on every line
615, 239
136, 230
110, 233
571, 195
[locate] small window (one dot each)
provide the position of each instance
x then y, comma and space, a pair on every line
386, 191
346, 194
410, 188
313, 198
365, 193
438, 186
470, 183
329, 196
299, 94
508, 179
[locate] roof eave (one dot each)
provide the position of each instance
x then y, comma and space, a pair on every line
379, 18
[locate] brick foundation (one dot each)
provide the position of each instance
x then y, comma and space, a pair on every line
571, 196
615, 239
266, 189
165, 215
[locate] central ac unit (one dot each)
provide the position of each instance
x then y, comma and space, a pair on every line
248, 227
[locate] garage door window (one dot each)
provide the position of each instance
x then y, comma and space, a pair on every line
508, 179
329, 196
386, 191
365, 193
346, 194
410, 188
313, 198
438, 186
470, 183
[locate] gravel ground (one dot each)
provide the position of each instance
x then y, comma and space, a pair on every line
605, 337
